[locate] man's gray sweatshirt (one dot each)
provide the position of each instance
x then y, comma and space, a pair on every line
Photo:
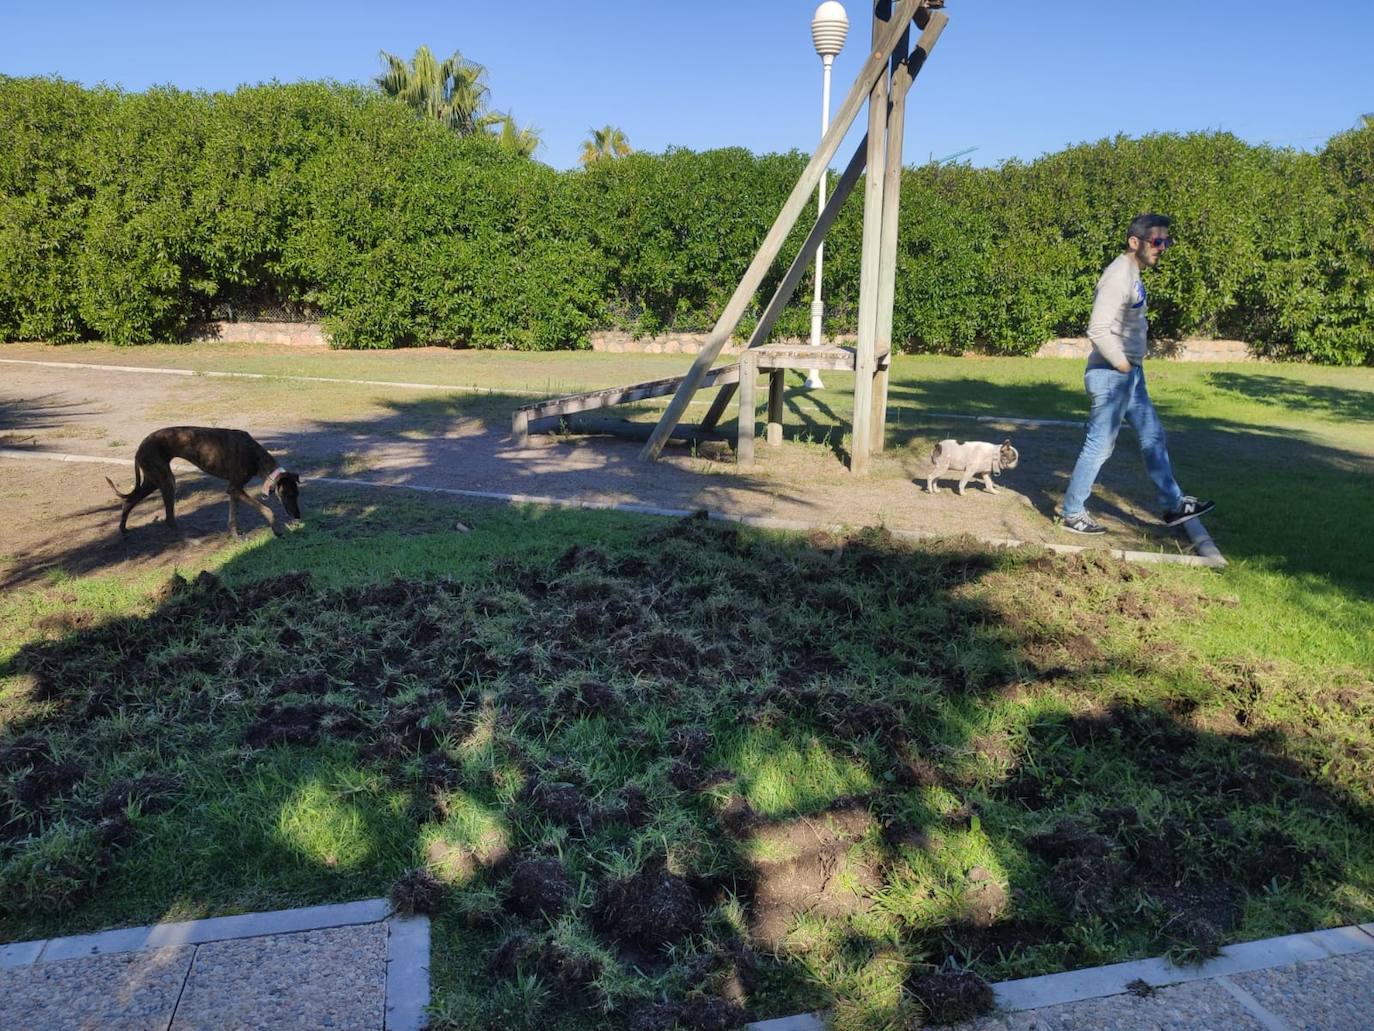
1117, 327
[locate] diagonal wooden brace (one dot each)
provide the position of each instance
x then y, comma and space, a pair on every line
874, 68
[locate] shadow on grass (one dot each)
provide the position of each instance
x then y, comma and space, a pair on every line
689, 769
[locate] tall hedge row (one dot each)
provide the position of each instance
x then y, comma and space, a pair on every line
132, 216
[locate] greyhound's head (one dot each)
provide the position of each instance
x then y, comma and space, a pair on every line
288, 488
1007, 456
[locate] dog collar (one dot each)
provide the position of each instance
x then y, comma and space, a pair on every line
272, 478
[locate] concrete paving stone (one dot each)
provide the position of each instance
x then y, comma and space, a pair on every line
332, 978
130, 991
1332, 995
190, 932
1196, 1006
1073, 985
1341, 941
19, 954
797, 1022
407, 973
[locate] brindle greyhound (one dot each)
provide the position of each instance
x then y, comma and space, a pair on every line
231, 455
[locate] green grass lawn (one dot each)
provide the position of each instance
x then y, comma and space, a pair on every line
658, 770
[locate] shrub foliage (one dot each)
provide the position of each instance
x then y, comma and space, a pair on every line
133, 216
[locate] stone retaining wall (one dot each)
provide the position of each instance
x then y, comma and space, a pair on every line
309, 334
286, 334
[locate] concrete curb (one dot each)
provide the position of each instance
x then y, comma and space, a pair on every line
1034, 993
1209, 555
407, 951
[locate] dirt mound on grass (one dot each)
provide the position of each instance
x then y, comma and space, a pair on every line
539, 887
950, 996
649, 910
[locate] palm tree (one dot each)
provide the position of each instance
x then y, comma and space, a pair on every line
606, 142
514, 139
453, 92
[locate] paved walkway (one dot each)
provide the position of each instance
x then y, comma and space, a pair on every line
355, 968
350, 967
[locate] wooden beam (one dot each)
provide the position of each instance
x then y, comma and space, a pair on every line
860, 437
874, 68
904, 71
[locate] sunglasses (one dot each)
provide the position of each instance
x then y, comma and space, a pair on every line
1161, 242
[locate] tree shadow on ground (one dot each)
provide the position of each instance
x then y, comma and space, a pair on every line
1318, 399
667, 758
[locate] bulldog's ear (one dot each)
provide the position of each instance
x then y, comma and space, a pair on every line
1007, 442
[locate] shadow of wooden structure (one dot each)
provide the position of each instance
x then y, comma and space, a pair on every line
883, 82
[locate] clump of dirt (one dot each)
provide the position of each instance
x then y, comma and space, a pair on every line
634, 806
417, 891
539, 887
904, 834
588, 698
152, 792
950, 996
816, 870
689, 746
300, 725
46, 780
985, 900
561, 803
1026, 787
1069, 839
25, 750
996, 942
315, 682
569, 973
649, 910
737, 816
1084, 886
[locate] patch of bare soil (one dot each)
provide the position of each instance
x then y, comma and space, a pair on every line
810, 865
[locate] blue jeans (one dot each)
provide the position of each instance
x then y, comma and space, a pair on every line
1117, 396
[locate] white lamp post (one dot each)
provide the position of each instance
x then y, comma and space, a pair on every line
829, 26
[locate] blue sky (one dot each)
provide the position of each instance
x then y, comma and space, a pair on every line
1013, 79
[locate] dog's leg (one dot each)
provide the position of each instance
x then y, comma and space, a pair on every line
932, 481
169, 498
239, 492
135, 496
991, 487
963, 481
233, 512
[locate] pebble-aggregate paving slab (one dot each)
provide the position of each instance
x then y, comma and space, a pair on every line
1333, 995
130, 991
334, 978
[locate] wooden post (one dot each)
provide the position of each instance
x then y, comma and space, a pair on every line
864, 354
904, 72
775, 387
873, 72
887, 248
718, 407
744, 438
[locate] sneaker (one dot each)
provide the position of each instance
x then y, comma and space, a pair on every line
1083, 523
1188, 508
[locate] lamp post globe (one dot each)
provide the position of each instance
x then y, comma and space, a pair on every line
829, 27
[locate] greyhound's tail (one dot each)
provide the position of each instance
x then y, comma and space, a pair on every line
138, 481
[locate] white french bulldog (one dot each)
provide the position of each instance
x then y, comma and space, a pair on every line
976, 458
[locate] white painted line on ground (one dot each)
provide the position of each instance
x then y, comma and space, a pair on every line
762, 522
164, 371
407, 973
224, 928
1010, 420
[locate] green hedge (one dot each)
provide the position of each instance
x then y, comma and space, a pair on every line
132, 217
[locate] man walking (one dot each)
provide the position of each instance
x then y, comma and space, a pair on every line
1115, 381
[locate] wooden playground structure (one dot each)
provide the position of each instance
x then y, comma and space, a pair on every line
883, 82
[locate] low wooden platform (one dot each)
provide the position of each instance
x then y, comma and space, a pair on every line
776, 359
547, 416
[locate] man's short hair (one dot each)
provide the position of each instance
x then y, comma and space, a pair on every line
1142, 224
